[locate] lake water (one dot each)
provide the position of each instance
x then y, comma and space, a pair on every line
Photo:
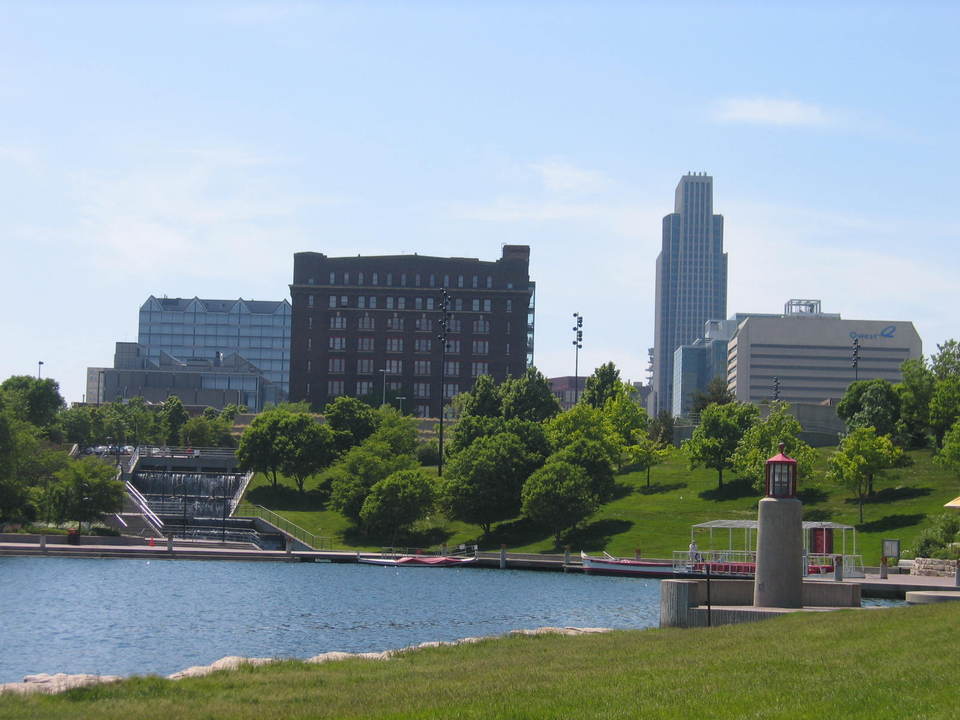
124, 617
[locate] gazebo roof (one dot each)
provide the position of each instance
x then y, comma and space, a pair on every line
752, 524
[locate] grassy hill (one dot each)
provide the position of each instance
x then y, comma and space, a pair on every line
846, 664
657, 519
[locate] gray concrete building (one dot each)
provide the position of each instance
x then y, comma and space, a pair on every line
810, 353
691, 280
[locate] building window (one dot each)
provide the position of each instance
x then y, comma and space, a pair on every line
333, 301
418, 303
344, 300
334, 388
394, 344
476, 281
507, 350
479, 368
359, 278
361, 301
507, 327
338, 322
403, 279
336, 365
346, 278
401, 303
389, 278
433, 280
309, 366
394, 387
390, 302
451, 368
373, 302
394, 367
459, 281
365, 366
365, 344
423, 323
308, 389
416, 280
423, 411
310, 323
455, 325
365, 323
481, 347
422, 345
481, 327
394, 323
450, 390
421, 367
337, 342
487, 304
446, 281
376, 277
364, 387
489, 281
509, 305
421, 390
309, 300
429, 303
453, 346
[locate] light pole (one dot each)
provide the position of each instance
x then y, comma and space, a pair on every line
442, 337
39, 365
400, 399
855, 359
383, 397
577, 344
776, 388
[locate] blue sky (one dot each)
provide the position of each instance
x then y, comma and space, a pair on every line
191, 149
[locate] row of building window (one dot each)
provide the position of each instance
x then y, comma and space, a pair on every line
421, 368
432, 280
480, 326
372, 302
421, 391
338, 343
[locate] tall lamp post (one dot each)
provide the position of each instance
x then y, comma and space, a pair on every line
577, 344
39, 365
442, 337
383, 396
776, 388
400, 399
855, 359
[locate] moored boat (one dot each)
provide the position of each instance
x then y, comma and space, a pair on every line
390, 557
610, 565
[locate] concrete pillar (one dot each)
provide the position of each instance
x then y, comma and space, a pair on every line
566, 555
676, 599
956, 574
43, 543
503, 557
883, 568
170, 544
838, 568
289, 546
779, 575
636, 554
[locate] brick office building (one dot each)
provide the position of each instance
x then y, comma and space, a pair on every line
368, 326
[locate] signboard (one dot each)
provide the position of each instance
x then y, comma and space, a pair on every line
891, 548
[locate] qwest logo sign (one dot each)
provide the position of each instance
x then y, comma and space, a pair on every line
888, 332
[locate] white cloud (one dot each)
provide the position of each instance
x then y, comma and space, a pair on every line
773, 111
561, 176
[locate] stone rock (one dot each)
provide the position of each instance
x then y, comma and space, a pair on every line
59, 682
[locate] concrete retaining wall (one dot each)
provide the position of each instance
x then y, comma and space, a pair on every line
81, 540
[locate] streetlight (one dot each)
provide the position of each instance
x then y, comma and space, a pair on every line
442, 337
39, 365
577, 344
400, 399
383, 397
855, 358
776, 388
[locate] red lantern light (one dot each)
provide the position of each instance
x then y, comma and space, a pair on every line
781, 476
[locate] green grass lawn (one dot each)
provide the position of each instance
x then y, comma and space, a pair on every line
892, 663
657, 519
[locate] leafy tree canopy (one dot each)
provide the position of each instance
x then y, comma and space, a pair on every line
558, 496
397, 502
661, 428
949, 455
483, 400
32, 400
915, 393
352, 417
871, 403
862, 456
944, 407
716, 437
260, 447
645, 453
946, 362
716, 393
173, 416
597, 458
761, 441
528, 397
352, 476
602, 385
307, 447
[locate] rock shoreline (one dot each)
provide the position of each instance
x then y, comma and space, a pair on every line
61, 682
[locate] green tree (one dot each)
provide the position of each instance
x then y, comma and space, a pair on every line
396, 430
949, 455
482, 483
716, 437
528, 397
353, 418
597, 459
482, 401
661, 428
716, 393
915, 392
602, 385
761, 441
946, 362
260, 447
626, 416
173, 416
32, 400
206, 432
645, 454
944, 407
358, 470
76, 425
87, 489
397, 502
140, 421
558, 496
861, 457
306, 447
871, 403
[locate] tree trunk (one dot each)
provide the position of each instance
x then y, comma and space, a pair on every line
720, 477
274, 472
648, 476
869, 488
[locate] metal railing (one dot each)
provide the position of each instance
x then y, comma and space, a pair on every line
315, 542
149, 516
728, 563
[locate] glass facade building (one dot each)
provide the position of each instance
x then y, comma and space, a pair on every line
200, 329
